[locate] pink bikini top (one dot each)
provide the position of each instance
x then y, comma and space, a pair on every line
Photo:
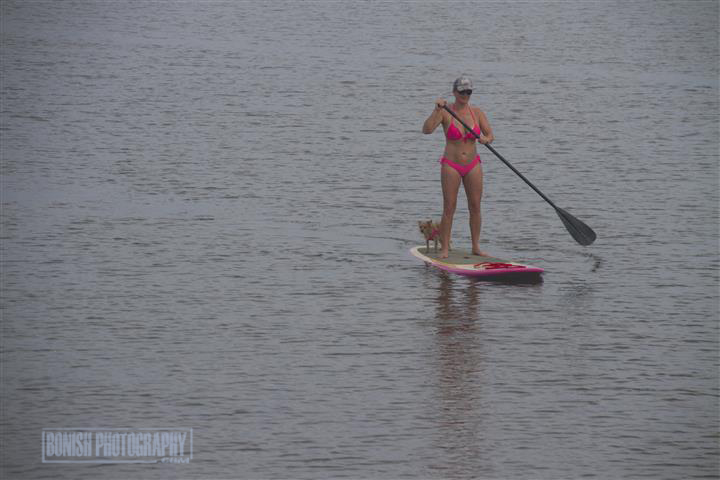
453, 133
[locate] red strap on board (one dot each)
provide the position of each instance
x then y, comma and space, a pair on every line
496, 265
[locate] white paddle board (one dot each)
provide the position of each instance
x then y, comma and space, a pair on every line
463, 262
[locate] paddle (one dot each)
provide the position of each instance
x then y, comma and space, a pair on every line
582, 234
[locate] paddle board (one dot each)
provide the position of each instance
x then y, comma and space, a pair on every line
463, 262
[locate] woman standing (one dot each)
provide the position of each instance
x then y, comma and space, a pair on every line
460, 162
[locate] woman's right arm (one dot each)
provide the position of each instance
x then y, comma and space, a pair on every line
435, 118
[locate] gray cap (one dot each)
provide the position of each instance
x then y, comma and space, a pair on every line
462, 83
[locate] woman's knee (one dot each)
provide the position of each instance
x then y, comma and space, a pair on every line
474, 205
449, 208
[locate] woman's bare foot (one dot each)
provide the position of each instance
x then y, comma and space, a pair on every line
443, 253
476, 251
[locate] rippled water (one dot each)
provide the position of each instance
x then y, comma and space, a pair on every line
207, 209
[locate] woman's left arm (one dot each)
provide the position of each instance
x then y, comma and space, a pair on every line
487, 136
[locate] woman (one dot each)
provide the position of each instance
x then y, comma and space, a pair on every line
460, 162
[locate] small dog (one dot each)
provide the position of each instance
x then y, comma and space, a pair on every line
431, 231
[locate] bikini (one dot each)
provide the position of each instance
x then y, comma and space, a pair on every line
454, 133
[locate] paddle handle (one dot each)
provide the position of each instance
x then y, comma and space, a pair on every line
501, 158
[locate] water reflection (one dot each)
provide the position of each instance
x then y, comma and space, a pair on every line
460, 374
464, 320
452, 315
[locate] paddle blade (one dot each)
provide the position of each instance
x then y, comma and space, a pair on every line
582, 234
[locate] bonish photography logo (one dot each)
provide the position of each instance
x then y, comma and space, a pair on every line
117, 445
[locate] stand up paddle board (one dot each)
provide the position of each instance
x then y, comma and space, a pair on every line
463, 262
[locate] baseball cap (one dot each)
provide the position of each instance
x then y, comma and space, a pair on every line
462, 83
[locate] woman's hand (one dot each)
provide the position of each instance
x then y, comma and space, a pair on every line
486, 139
440, 103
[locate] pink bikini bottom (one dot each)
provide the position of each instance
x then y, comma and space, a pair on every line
462, 169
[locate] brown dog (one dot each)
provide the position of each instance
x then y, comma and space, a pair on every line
431, 231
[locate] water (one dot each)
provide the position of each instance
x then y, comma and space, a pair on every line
207, 208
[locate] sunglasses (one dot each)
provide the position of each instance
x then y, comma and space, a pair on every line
465, 92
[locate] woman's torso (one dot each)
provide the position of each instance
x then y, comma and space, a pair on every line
460, 146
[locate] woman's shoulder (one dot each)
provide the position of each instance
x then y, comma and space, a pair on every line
479, 113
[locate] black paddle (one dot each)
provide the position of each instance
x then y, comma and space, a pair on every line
582, 234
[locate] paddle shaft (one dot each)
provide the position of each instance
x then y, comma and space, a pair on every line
501, 158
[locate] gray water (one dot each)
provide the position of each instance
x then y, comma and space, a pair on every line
207, 209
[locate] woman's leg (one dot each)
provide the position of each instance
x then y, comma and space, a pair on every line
473, 182
451, 180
